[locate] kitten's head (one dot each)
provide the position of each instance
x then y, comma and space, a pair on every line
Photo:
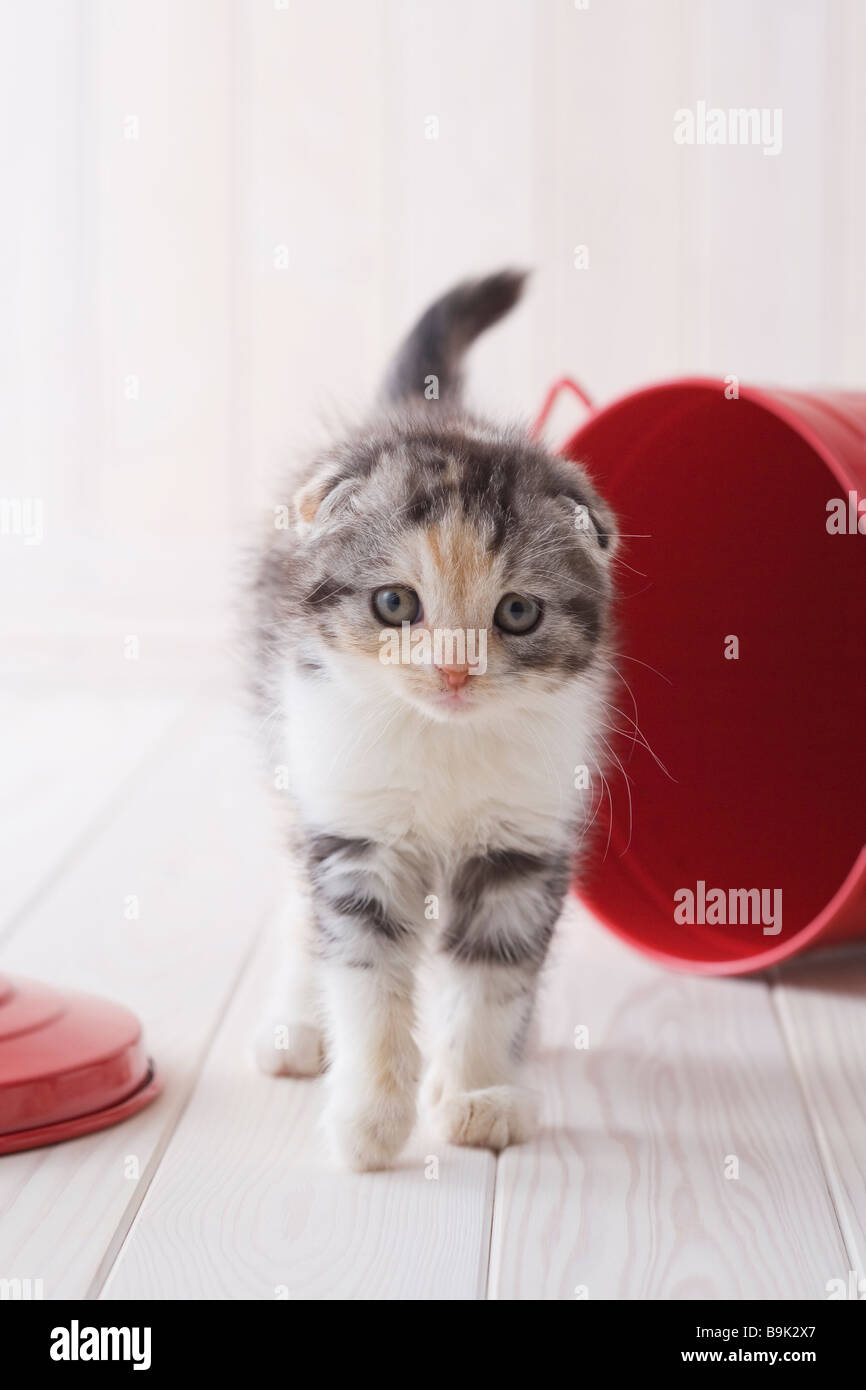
459, 569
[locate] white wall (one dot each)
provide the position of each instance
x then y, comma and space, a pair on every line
221, 213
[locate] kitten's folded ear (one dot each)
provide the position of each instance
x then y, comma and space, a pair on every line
309, 497
591, 514
325, 496
601, 520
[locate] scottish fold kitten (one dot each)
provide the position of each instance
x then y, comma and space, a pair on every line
433, 663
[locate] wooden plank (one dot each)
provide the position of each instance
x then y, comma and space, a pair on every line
606, 194
64, 756
846, 192
461, 169
753, 221
820, 1004
313, 240
161, 202
624, 1194
193, 843
247, 1205
43, 364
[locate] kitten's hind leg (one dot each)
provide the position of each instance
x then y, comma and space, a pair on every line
289, 1037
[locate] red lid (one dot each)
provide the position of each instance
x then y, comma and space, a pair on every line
69, 1063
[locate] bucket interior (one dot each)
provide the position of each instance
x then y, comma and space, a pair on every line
725, 507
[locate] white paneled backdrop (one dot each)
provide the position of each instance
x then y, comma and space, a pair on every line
219, 215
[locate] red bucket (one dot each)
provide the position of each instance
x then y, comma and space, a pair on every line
740, 517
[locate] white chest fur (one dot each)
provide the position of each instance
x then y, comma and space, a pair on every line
361, 767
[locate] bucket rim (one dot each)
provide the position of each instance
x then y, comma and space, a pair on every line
779, 401
742, 965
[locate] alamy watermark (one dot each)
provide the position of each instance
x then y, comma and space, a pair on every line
77, 1343
846, 516
738, 125
438, 646
853, 1288
21, 1290
729, 907
22, 517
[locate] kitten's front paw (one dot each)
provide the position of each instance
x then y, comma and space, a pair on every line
368, 1135
491, 1118
282, 1048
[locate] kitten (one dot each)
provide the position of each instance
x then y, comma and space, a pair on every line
436, 787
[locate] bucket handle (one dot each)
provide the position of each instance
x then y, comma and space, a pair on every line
565, 383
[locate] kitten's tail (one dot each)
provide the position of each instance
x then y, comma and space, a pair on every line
427, 364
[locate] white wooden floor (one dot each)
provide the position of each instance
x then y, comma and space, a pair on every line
221, 1190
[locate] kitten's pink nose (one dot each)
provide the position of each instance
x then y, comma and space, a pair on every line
456, 676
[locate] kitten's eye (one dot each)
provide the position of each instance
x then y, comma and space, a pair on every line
517, 613
396, 605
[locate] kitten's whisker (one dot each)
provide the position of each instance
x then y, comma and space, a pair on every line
641, 740
605, 789
597, 800
632, 733
628, 789
613, 730
264, 722
617, 560
638, 662
382, 732
344, 754
639, 734
570, 733
621, 677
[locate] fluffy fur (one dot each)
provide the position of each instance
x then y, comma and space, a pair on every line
437, 813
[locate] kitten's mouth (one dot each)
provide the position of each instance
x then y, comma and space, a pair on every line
447, 703
454, 697
453, 701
